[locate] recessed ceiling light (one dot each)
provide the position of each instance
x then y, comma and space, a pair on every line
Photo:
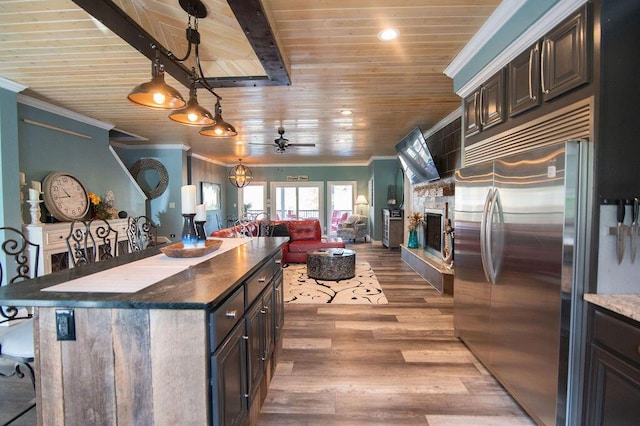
388, 34
346, 112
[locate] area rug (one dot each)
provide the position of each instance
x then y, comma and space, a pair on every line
363, 288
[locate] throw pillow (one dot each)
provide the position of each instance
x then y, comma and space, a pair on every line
279, 230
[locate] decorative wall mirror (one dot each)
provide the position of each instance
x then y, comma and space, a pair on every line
152, 177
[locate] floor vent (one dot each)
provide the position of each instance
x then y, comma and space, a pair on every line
572, 122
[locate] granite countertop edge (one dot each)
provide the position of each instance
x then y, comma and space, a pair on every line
627, 305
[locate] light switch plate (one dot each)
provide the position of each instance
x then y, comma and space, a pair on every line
65, 324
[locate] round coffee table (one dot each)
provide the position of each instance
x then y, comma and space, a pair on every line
331, 264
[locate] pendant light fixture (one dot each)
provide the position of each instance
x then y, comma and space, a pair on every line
156, 93
191, 113
240, 175
221, 128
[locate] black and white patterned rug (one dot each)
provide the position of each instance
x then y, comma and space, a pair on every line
363, 288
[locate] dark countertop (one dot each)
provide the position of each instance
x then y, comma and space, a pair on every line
202, 286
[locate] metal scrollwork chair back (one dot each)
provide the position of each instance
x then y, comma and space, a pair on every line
141, 233
91, 241
16, 340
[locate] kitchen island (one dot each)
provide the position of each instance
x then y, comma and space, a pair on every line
195, 347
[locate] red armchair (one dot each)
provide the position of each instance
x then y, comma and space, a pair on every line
304, 236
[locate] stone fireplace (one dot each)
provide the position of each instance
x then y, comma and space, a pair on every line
436, 203
433, 227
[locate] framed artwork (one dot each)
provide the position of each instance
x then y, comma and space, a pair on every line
210, 195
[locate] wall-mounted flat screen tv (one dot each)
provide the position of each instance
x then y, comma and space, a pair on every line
417, 161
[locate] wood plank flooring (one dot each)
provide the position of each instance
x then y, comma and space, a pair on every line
395, 364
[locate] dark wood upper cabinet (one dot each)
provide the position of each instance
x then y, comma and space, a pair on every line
564, 58
523, 81
484, 107
472, 114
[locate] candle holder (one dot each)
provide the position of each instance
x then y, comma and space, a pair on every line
35, 211
201, 234
189, 238
22, 186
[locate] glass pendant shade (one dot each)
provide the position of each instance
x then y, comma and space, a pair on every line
193, 114
221, 128
240, 175
156, 93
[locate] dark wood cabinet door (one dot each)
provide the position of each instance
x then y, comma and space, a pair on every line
492, 101
278, 305
472, 114
268, 321
564, 59
523, 81
229, 383
614, 391
255, 345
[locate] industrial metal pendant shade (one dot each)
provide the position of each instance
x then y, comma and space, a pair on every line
221, 128
240, 175
193, 114
156, 93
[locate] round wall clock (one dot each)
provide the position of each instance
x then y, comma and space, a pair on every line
65, 197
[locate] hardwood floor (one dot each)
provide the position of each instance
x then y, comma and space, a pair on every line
16, 395
395, 364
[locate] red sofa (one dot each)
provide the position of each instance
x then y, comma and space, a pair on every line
304, 236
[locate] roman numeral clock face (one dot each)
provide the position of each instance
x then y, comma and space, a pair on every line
65, 197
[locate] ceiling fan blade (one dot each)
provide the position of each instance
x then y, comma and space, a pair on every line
302, 144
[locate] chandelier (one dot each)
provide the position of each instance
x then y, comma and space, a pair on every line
157, 94
240, 175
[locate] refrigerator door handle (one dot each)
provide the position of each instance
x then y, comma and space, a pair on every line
483, 234
493, 264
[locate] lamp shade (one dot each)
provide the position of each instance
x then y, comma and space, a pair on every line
240, 175
193, 114
221, 128
156, 93
361, 200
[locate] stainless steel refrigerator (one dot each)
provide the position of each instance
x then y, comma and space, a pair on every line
521, 248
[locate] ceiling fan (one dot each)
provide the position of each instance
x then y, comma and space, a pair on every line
282, 143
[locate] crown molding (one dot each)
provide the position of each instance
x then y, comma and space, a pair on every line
209, 160
502, 14
536, 31
63, 112
11, 85
182, 147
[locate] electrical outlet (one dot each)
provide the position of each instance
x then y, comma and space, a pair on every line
65, 324
172, 205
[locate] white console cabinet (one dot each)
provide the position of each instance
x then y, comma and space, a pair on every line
52, 239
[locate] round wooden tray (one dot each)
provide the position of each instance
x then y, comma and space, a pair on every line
178, 250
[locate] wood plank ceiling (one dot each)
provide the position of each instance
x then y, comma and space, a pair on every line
329, 47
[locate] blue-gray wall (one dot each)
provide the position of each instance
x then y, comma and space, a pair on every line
44, 150
165, 210
9, 168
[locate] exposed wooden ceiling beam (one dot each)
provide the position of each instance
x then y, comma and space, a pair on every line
250, 16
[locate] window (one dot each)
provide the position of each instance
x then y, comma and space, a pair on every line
251, 199
341, 198
297, 200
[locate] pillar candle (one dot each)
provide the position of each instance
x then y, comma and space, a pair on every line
201, 213
189, 199
23, 180
36, 185
34, 194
